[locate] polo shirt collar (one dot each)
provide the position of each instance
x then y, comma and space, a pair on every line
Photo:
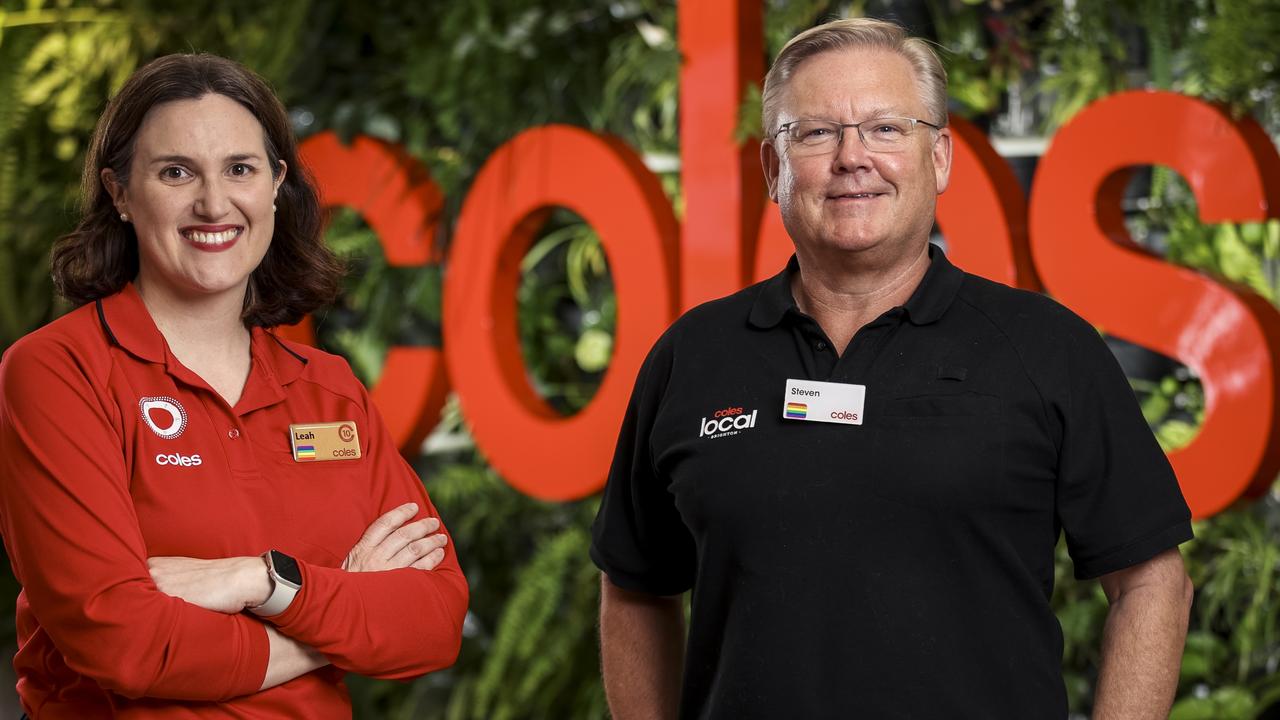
274, 366
276, 358
775, 299
926, 305
128, 324
937, 289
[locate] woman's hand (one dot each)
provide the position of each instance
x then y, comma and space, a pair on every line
231, 585
392, 542
228, 585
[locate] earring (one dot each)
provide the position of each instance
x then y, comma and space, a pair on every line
273, 207
124, 217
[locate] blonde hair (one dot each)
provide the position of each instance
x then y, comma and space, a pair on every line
852, 33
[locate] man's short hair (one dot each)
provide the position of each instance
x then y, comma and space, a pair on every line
858, 33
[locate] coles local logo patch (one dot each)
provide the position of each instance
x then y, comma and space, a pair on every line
165, 416
727, 421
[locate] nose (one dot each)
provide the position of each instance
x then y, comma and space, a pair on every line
851, 154
212, 201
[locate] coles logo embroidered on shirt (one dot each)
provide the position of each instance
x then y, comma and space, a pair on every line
165, 416
725, 422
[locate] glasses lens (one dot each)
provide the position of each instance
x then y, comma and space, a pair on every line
885, 134
813, 135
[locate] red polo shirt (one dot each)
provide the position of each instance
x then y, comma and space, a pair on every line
89, 489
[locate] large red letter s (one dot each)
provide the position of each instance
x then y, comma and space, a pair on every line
1228, 335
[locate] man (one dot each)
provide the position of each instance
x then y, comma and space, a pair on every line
861, 466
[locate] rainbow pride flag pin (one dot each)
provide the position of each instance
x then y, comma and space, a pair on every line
306, 452
797, 410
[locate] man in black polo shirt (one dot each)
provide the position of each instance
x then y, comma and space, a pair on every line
861, 466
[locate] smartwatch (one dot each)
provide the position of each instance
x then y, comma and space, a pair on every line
286, 581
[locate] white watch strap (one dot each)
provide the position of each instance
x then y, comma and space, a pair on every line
282, 594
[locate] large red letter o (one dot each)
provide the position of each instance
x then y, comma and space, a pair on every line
604, 181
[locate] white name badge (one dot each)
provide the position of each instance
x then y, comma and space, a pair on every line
824, 402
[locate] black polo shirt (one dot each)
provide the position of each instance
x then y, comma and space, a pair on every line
901, 568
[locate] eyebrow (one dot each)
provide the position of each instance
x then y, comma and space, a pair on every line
874, 114
183, 159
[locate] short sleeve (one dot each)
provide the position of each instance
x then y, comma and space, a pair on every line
1117, 497
638, 538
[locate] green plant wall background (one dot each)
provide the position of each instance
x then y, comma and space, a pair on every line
452, 81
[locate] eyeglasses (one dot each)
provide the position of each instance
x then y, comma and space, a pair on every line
884, 135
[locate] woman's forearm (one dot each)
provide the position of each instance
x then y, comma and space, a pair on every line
289, 659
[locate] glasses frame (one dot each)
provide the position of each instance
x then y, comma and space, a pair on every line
785, 127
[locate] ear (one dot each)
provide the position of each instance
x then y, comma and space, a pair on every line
942, 159
279, 178
115, 188
770, 162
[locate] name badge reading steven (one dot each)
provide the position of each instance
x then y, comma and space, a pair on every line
317, 442
824, 402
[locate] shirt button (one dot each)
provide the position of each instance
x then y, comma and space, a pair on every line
820, 345
233, 433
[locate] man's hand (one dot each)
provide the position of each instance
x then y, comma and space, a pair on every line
228, 585
392, 542
1142, 642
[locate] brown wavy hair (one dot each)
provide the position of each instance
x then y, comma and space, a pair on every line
298, 274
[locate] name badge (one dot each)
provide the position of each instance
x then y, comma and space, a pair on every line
318, 442
824, 402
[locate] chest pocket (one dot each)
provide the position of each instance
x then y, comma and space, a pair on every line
956, 405
324, 506
941, 452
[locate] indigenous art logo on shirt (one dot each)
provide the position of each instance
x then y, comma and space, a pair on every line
165, 416
727, 421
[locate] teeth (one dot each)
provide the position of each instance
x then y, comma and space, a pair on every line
217, 238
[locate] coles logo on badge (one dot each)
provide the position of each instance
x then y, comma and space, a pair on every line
165, 416
727, 421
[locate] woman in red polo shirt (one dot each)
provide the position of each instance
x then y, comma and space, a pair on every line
207, 520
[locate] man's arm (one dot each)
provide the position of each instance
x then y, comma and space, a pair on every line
641, 652
1143, 639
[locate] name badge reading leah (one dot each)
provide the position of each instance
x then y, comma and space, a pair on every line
815, 401
318, 442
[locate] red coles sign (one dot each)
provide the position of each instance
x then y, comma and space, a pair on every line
1070, 237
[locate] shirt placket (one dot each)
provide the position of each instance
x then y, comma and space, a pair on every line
230, 430
858, 361
817, 356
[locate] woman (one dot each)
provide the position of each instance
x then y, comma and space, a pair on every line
207, 520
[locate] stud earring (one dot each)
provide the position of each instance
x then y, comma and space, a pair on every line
124, 217
273, 207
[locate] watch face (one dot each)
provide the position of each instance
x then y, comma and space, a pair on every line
286, 568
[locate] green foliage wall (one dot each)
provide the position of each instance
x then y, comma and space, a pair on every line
452, 81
